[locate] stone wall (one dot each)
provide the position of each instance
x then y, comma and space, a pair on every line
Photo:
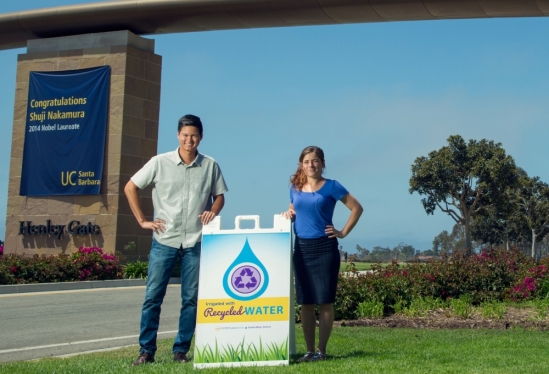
132, 135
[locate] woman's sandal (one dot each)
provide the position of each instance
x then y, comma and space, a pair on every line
319, 356
309, 356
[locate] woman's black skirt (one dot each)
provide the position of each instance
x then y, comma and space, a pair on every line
316, 267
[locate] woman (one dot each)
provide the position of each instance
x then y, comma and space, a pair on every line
316, 256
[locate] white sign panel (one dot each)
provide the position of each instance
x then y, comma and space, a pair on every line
245, 296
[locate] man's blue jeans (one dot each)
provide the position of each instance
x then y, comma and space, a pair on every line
162, 260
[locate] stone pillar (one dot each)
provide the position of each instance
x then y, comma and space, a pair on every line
132, 135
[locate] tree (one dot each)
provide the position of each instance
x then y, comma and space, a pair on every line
502, 224
405, 249
461, 179
362, 252
446, 242
443, 243
380, 253
532, 198
524, 216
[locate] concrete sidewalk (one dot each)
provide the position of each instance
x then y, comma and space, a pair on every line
86, 285
69, 286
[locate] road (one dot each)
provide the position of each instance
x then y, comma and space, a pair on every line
47, 324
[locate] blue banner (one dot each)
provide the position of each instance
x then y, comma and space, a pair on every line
65, 132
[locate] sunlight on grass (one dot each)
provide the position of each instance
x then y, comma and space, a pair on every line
360, 266
351, 350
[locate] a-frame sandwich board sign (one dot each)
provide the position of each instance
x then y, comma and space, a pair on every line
245, 313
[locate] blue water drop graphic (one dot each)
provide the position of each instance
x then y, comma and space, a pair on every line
246, 278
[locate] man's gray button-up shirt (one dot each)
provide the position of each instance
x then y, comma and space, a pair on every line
180, 194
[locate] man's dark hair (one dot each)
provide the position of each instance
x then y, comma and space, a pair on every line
190, 120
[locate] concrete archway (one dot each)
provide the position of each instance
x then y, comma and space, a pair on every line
149, 17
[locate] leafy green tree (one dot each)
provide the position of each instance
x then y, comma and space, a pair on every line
362, 252
379, 250
447, 242
461, 179
443, 243
500, 225
405, 249
532, 198
380, 253
524, 215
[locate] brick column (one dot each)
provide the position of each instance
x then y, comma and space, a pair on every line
132, 135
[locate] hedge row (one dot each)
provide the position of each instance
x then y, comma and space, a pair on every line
493, 275
85, 265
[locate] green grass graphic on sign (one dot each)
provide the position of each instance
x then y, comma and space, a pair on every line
241, 352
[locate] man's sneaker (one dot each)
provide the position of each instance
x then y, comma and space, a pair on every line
144, 358
180, 357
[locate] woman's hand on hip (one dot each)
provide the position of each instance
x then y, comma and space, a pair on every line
332, 232
289, 214
207, 217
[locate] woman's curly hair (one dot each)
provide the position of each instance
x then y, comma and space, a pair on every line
299, 178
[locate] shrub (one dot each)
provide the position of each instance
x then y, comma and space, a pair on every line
534, 284
370, 309
94, 264
462, 307
543, 292
420, 307
415, 309
136, 270
493, 309
351, 290
541, 308
399, 306
83, 265
484, 277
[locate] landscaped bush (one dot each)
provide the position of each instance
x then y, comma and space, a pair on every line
85, 265
491, 275
541, 307
534, 284
419, 307
370, 309
140, 270
493, 309
136, 270
462, 307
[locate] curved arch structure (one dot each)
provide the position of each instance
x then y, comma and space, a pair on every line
173, 16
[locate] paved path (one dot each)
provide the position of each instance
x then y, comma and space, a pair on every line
35, 325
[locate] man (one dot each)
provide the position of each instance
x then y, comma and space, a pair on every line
184, 182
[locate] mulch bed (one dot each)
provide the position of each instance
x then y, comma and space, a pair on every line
440, 319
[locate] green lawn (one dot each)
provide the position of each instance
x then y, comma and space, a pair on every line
360, 265
351, 350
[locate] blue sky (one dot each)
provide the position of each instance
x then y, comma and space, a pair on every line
373, 96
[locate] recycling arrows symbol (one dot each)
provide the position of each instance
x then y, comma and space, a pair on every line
239, 282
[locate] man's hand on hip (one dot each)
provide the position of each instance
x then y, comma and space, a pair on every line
207, 217
157, 225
